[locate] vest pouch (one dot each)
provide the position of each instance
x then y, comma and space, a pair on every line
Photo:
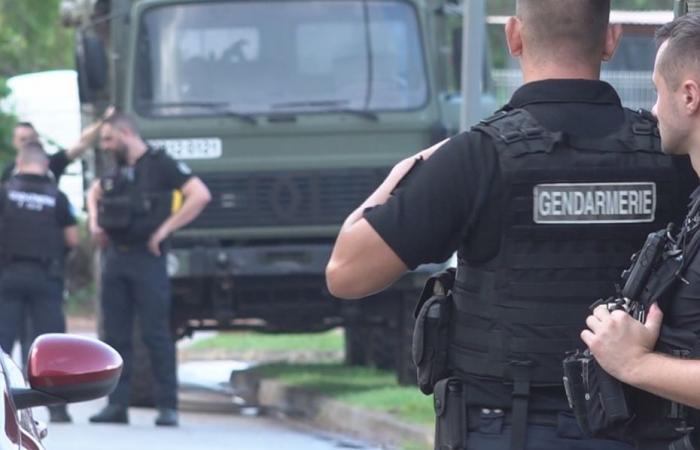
573, 367
607, 409
431, 335
114, 212
450, 415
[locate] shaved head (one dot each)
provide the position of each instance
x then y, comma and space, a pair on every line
32, 153
122, 122
681, 57
573, 29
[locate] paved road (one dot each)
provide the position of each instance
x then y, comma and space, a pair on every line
210, 431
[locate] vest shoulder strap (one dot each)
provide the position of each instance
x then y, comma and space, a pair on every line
517, 131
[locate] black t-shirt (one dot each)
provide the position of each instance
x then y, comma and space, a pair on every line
442, 199
57, 166
683, 309
154, 172
64, 211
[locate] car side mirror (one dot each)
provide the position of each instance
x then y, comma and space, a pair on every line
65, 368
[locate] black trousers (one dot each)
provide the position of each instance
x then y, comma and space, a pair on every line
28, 290
135, 284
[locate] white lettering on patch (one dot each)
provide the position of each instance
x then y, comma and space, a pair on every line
594, 202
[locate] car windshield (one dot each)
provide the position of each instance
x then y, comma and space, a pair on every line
279, 57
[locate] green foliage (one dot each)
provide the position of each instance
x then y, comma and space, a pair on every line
31, 40
7, 122
31, 37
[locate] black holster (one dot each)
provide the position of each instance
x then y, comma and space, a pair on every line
431, 334
598, 400
450, 415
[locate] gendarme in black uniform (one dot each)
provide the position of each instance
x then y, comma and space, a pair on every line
135, 202
544, 202
57, 166
33, 216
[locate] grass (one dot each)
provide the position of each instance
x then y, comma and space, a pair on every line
81, 302
360, 386
326, 341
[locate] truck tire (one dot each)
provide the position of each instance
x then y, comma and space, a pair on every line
405, 368
383, 345
356, 345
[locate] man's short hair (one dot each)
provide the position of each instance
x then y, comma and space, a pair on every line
32, 153
122, 121
578, 27
682, 54
25, 125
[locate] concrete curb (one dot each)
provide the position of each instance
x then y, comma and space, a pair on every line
332, 415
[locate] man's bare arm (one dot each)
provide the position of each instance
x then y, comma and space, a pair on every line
196, 196
624, 348
87, 137
71, 238
93, 196
362, 263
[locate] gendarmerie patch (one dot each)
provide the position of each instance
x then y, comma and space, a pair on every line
594, 202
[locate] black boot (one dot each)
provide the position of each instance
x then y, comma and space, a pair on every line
167, 417
111, 414
59, 414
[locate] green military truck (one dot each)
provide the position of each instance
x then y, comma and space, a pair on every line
291, 112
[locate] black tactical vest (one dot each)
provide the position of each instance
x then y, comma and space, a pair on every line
574, 210
30, 230
128, 211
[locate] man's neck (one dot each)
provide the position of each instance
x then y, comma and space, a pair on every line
136, 151
534, 72
32, 169
695, 152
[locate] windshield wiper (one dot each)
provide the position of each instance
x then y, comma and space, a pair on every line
330, 106
220, 107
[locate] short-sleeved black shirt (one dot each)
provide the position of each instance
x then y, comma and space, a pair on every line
64, 211
156, 171
452, 194
683, 311
57, 166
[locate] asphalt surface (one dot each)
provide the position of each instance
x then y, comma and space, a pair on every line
197, 430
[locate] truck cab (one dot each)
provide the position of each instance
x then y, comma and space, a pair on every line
291, 112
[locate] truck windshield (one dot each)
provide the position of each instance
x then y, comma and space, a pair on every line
279, 57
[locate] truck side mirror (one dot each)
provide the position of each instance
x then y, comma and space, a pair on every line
91, 61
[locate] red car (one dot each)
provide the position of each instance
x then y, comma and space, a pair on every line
61, 369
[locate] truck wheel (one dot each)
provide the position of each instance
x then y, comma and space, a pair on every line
356, 345
405, 369
383, 346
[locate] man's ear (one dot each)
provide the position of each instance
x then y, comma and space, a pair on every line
612, 39
514, 36
691, 96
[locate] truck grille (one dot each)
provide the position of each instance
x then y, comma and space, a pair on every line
312, 197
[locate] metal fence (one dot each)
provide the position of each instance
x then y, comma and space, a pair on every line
634, 87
